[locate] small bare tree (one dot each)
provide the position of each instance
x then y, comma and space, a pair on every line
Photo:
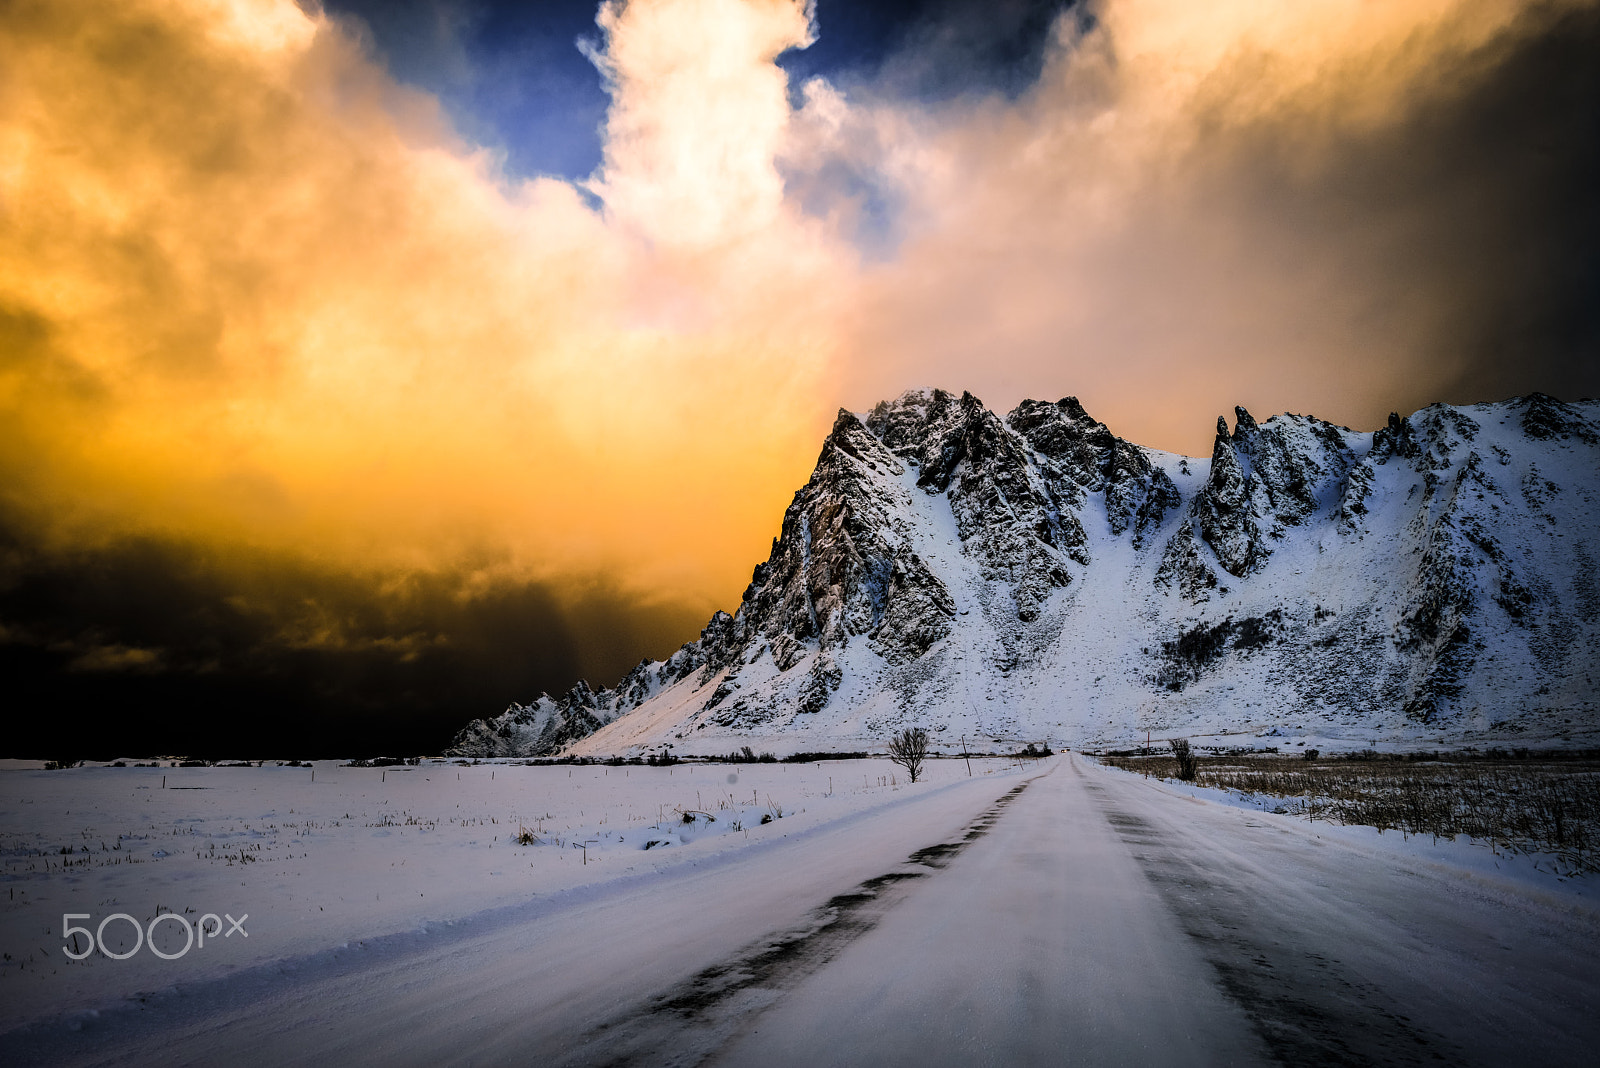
1185, 757
909, 749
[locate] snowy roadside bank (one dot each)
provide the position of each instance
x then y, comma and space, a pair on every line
1487, 862
325, 856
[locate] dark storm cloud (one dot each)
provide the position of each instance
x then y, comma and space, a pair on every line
1345, 218
1471, 225
142, 646
1521, 163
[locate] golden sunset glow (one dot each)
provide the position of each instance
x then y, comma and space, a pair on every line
255, 292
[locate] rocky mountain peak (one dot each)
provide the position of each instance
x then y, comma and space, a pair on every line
1546, 418
1244, 426
937, 433
1224, 511
1395, 439
946, 566
1080, 446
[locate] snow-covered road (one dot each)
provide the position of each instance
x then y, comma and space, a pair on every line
1076, 915
1107, 920
1042, 943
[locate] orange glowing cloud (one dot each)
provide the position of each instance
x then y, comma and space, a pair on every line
255, 292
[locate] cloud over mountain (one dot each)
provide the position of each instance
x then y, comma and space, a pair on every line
259, 299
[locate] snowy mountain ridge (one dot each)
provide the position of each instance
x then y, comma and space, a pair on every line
1036, 577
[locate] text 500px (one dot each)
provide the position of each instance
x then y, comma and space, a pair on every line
194, 936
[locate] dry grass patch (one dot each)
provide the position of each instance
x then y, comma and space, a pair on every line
1537, 803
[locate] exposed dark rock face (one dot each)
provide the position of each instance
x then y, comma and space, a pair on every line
936, 543
828, 576
1227, 509
823, 678
1184, 566
918, 611
1012, 517
1545, 418
1264, 480
1076, 450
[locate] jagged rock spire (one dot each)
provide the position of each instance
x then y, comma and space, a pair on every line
1222, 511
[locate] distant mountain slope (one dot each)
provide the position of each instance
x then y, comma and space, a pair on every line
1038, 577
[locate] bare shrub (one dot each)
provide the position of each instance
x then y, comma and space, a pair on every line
1184, 756
909, 749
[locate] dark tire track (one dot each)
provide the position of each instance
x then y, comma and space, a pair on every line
688, 1023
1306, 1007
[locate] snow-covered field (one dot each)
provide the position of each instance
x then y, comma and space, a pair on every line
330, 855
1029, 914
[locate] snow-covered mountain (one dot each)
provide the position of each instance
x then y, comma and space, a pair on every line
1038, 578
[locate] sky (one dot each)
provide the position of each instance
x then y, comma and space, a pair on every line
367, 366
